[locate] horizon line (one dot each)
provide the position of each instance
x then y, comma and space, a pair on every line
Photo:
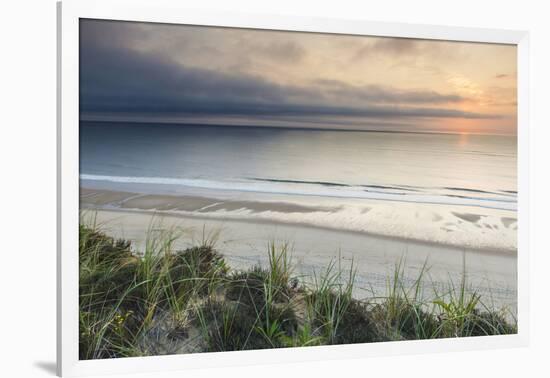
300, 128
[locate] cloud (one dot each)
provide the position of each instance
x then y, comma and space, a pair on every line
388, 47
117, 79
379, 94
116, 34
282, 51
396, 46
112, 79
502, 76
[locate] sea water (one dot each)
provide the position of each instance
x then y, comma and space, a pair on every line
458, 189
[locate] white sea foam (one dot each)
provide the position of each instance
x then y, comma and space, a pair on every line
423, 223
445, 196
469, 225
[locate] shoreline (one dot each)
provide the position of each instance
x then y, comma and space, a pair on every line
216, 209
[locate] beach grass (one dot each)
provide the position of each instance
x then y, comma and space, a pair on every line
164, 301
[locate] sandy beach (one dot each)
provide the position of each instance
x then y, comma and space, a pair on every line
244, 242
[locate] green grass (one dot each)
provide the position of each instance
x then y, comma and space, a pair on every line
164, 300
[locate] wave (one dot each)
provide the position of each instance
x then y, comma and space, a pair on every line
448, 196
407, 188
466, 189
324, 183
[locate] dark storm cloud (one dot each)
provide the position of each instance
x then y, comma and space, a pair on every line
114, 79
122, 80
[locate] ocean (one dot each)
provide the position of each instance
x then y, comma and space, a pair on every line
458, 189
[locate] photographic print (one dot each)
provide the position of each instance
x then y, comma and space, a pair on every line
248, 189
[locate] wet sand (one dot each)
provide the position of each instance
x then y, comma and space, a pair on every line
429, 223
127, 200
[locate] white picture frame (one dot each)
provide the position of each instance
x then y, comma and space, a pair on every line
165, 11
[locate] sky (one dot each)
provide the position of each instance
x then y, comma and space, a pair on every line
149, 72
